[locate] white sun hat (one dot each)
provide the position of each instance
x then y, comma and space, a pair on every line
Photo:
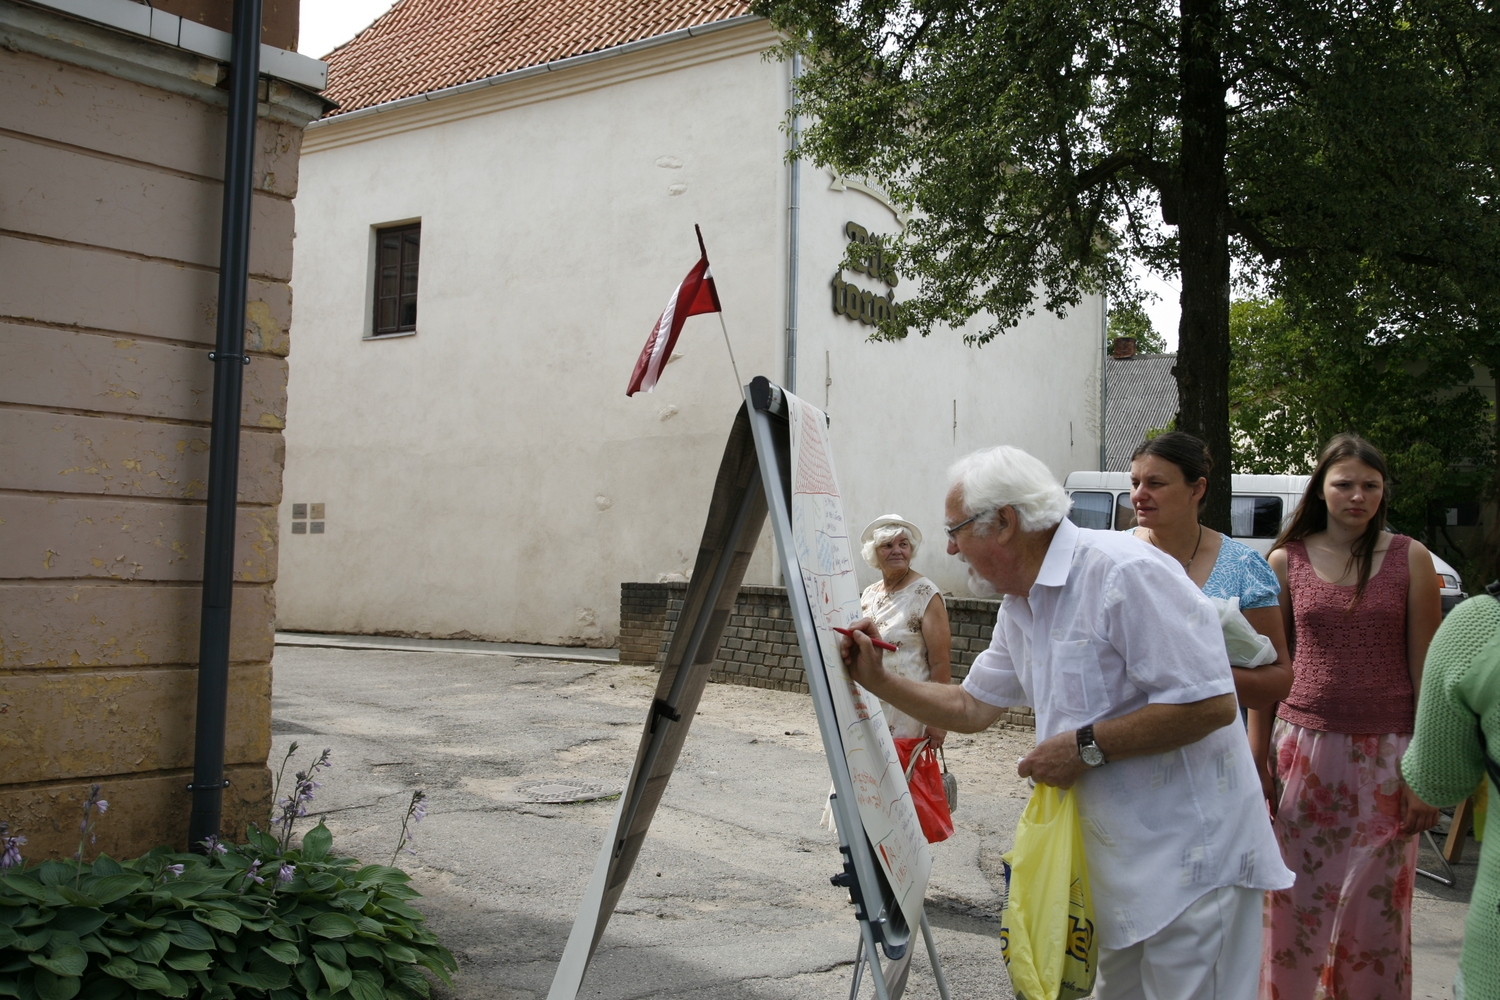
887, 521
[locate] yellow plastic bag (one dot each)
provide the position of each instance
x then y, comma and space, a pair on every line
1047, 923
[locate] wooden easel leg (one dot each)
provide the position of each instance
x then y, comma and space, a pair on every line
1458, 831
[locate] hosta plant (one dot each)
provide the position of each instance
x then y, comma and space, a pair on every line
253, 920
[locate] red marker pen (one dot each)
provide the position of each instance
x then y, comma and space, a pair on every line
877, 643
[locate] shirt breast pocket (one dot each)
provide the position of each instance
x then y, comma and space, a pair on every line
1080, 682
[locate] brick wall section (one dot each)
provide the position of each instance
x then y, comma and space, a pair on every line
115, 145
759, 648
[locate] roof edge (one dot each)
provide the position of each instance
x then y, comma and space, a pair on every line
540, 68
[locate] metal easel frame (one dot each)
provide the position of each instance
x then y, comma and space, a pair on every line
880, 919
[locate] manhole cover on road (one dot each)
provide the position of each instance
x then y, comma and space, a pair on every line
561, 790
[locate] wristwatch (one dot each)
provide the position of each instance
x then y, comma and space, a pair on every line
1088, 749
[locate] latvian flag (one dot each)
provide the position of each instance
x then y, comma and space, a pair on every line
695, 295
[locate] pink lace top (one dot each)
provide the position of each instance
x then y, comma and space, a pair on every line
1350, 668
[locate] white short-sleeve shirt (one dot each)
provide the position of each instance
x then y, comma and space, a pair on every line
1112, 625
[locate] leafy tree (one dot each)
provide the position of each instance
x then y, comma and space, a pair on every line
1331, 145
1296, 383
1129, 319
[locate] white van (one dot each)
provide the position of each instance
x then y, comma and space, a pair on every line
1260, 507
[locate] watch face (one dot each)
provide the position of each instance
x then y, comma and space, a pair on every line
1092, 755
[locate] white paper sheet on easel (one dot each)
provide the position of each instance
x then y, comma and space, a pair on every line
821, 537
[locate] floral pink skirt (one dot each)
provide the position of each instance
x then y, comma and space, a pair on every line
1344, 929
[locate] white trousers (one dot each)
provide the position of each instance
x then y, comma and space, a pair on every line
1210, 952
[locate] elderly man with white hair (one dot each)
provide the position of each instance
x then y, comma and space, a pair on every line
1123, 661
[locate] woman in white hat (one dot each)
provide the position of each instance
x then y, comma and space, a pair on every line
910, 614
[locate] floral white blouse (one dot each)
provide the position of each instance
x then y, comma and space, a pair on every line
898, 616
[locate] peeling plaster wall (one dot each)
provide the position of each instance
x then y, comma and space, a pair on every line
109, 230
487, 477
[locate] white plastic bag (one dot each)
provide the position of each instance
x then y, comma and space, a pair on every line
1247, 647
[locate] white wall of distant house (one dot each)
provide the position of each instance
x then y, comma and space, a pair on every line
488, 476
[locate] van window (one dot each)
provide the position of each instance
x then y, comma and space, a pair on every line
1124, 512
1255, 517
1092, 510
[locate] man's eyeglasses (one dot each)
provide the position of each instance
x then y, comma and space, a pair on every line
953, 531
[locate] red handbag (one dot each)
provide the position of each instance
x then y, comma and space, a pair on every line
925, 779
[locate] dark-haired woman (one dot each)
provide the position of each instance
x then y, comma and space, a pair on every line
1168, 478
1361, 606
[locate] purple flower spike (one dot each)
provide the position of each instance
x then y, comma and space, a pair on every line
10, 851
253, 874
286, 873
176, 870
102, 805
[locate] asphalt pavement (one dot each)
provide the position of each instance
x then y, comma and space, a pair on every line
730, 899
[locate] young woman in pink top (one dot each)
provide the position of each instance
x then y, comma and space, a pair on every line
1360, 606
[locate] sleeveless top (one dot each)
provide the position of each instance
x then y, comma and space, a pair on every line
1350, 668
898, 616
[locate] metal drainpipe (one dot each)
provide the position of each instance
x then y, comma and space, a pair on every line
1104, 384
794, 236
228, 359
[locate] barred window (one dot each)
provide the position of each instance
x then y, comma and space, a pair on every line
396, 251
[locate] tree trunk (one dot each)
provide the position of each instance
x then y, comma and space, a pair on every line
1202, 368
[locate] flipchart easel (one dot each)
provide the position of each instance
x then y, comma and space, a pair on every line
754, 480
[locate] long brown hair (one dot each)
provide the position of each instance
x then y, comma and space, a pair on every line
1311, 515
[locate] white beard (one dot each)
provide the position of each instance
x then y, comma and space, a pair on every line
980, 587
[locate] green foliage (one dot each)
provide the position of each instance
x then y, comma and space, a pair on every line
1038, 142
1130, 319
337, 930
1295, 382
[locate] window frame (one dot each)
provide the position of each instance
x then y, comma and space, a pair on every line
373, 297
1252, 497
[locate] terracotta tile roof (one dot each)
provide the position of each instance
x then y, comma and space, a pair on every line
424, 45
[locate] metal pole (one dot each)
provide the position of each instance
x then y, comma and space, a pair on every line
1104, 383
793, 212
228, 359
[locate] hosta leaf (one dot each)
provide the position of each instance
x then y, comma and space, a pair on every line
56, 872
351, 899
189, 961
399, 908
80, 920
336, 977
149, 977
117, 886
93, 943
153, 924
7, 935
321, 881
283, 951
49, 986
332, 925
369, 926
378, 875
115, 943
78, 898
413, 980
121, 967
307, 976
331, 952
33, 942
316, 842
398, 952
367, 985
152, 947
105, 865
67, 961
282, 931
361, 948
25, 885
191, 935
177, 986
219, 920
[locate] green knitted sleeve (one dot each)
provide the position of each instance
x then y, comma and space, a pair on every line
1444, 763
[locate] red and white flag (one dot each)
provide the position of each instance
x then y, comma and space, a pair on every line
696, 295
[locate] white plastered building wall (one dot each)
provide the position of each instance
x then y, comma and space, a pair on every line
487, 476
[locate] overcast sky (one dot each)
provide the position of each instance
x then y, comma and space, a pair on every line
327, 24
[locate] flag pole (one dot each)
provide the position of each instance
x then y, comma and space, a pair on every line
739, 382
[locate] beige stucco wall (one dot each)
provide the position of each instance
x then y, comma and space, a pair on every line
109, 229
488, 477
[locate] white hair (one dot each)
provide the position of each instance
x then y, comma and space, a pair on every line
1009, 477
883, 535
